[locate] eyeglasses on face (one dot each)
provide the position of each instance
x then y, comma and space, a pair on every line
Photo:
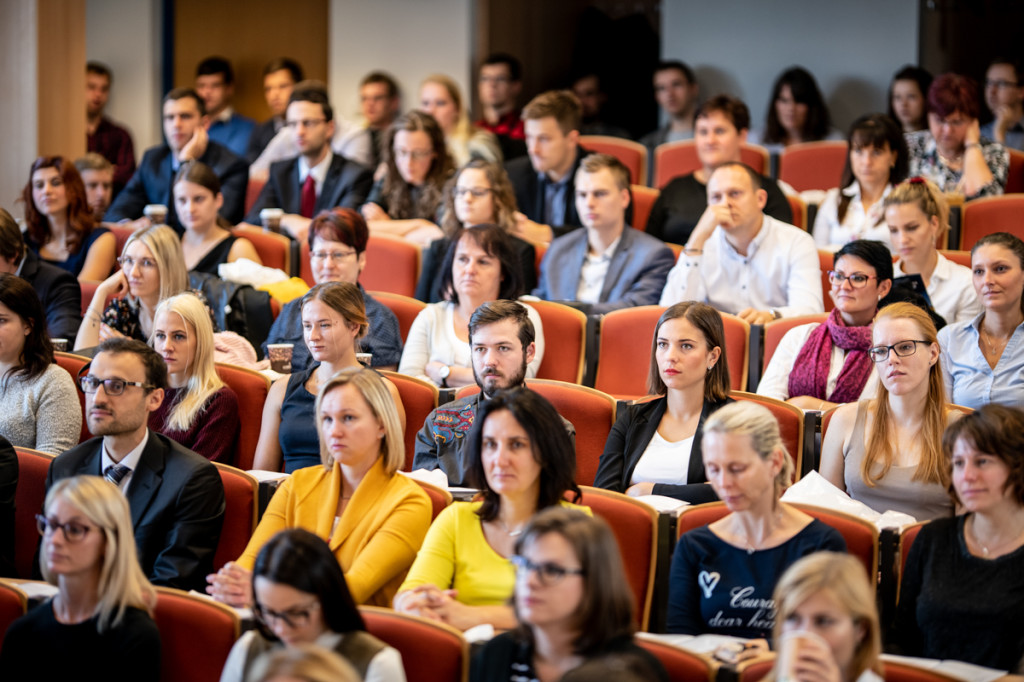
294, 618
549, 573
73, 531
902, 348
89, 384
334, 256
857, 280
477, 192
414, 154
127, 263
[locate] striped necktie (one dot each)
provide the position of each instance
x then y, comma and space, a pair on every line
115, 473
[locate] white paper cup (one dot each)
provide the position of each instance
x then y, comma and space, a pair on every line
364, 358
271, 219
157, 213
789, 652
59, 344
280, 355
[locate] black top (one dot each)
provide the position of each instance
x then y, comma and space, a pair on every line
38, 647
428, 288
215, 256
8, 488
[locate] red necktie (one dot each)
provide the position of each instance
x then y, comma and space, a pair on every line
308, 197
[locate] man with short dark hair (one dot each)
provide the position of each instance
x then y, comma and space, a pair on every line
501, 340
606, 265
176, 496
317, 178
379, 101
675, 89
105, 137
215, 83
279, 79
58, 289
499, 85
183, 114
1004, 96
98, 177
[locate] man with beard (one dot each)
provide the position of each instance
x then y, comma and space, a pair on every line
501, 341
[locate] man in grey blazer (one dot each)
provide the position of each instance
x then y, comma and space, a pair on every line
176, 496
605, 264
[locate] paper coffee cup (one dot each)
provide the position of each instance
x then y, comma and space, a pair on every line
157, 213
364, 358
271, 219
280, 355
59, 344
789, 652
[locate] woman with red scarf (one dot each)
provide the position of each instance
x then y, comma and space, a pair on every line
819, 366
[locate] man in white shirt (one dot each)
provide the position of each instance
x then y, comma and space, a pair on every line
743, 262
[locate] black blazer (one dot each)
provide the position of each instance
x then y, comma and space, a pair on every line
8, 488
60, 294
634, 428
261, 136
530, 194
177, 503
346, 184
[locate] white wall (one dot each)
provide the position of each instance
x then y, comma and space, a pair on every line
20, 75
740, 46
410, 39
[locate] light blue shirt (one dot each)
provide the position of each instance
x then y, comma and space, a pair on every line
556, 194
969, 380
1014, 136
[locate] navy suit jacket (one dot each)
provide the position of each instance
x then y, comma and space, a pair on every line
177, 503
636, 274
347, 184
151, 184
60, 294
530, 194
261, 136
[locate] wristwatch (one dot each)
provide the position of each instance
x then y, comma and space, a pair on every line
445, 371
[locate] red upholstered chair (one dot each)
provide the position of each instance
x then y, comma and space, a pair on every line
643, 202
305, 267
565, 334
405, 309
791, 424
812, 165
755, 669
680, 664
13, 605
121, 235
635, 525
907, 537
88, 288
28, 501
241, 498
776, 329
959, 257
74, 364
275, 250
252, 193
825, 260
737, 350
991, 214
799, 208
419, 398
431, 651
439, 497
196, 634
673, 159
633, 155
251, 387
1015, 175
392, 264
902, 671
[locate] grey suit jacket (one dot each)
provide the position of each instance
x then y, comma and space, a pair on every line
346, 184
177, 502
636, 274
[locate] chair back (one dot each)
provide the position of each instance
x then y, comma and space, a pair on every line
633, 155
907, 537
799, 208
196, 635
73, 364
755, 669
392, 264
776, 329
275, 250
1015, 174
904, 671
673, 159
566, 329
439, 497
635, 525
241, 505
813, 165
419, 398
737, 350
251, 388
791, 425
13, 605
405, 309
825, 260
991, 214
252, 193
643, 202
679, 663
538, 255
33, 466
959, 257
431, 651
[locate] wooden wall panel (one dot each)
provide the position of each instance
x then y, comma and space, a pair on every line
61, 77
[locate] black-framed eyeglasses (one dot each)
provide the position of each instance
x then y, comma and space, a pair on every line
73, 531
857, 280
902, 348
294, 618
334, 256
90, 383
548, 572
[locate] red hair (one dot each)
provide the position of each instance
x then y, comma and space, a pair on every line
80, 221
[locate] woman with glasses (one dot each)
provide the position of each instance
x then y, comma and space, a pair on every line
820, 365
39, 406
333, 322
521, 459
723, 574
479, 193
199, 410
207, 241
59, 226
952, 153
300, 597
887, 451
407, 200
983, 359
916, 215
373, 518
101, 617
572, 603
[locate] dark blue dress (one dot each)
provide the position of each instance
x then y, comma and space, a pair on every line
300, 443
76, 260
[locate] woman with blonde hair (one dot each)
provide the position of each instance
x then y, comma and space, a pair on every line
303, 663
373, 518
199, 410
441, 98
887, 452
917, 216
825, 609
152, 269
101, 615
748, 549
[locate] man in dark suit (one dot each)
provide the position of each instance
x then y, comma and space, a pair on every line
184, 115
176, 496
58, 289
607, 265
279, 78
317, 178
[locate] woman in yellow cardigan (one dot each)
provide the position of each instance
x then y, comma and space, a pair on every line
373, 519
522, 460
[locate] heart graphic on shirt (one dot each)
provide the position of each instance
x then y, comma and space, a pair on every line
707, 582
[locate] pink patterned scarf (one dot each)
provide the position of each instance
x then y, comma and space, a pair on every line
810, 370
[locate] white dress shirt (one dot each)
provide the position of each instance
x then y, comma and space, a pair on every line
131, 460
593, 272
831, 234
319, 171
951, 289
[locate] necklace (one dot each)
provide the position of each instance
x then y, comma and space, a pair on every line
512, 533
752, 547
994, 348
985, 550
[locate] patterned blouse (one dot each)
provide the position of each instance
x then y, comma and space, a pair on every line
122, 315
926, 162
